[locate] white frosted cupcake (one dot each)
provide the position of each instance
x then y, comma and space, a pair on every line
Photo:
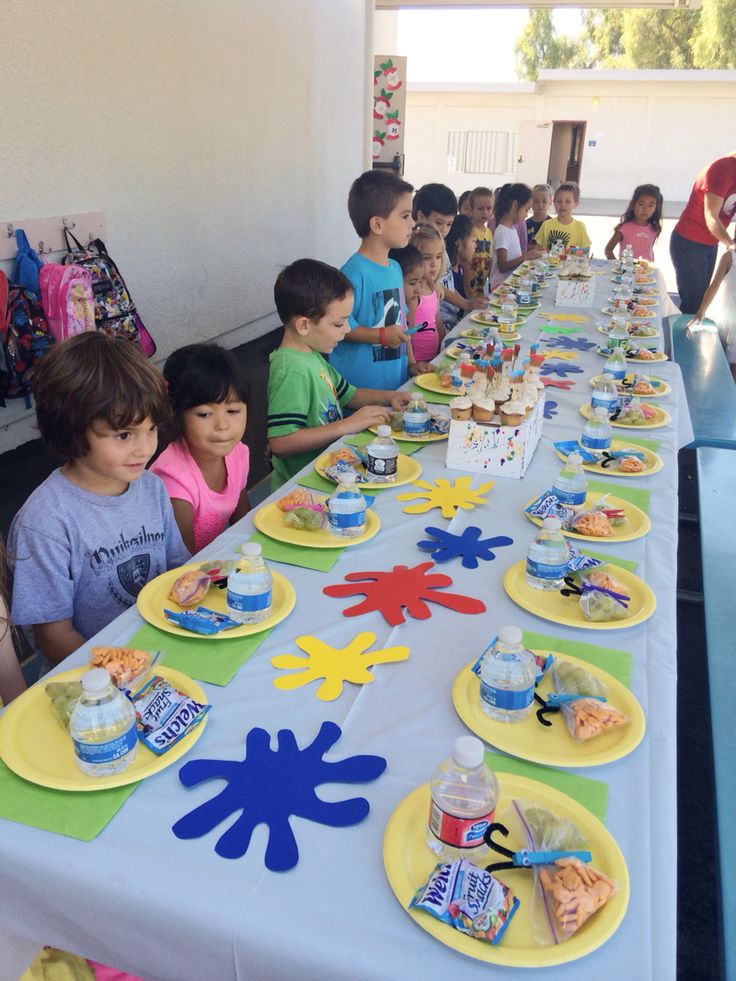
461, 408
483, 409
513, 413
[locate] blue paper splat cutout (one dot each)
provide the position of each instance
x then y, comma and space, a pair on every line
560, 368
271, 785
570, 343
469, 546
550, 409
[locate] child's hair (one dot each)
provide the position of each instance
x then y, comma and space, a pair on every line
463, 198
570, 186
480, 192
307, 287
203, 374
434, 197
408, 258
543, 187
374, 194
655, 219
461, 228
426, 233
509, 195
93, 376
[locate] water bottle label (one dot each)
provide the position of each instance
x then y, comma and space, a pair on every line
615, 373
542, 570
456, 831
608, 402
508, 701
383, 466
107, 752
354, 520
248, 602
416, 427
569, 497
596, 442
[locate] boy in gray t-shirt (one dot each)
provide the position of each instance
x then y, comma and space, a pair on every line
100, 527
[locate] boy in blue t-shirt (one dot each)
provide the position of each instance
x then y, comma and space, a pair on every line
377, 351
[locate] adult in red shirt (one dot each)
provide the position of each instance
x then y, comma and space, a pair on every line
702, 226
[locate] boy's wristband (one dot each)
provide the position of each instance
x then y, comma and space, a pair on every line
382, 336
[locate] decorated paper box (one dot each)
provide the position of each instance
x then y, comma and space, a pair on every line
488, 448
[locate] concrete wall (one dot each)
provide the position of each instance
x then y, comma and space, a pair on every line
646, 129
207, 133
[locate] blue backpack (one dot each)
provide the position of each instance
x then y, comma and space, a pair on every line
27, 263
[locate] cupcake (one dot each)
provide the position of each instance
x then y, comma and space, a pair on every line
461, 408
483, 409
512, 413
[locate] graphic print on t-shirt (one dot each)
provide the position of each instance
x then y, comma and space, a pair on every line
329, 410
558, 236
133, 574
386, 306
122, 563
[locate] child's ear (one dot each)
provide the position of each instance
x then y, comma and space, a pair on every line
302, 325
376, 224
421, 218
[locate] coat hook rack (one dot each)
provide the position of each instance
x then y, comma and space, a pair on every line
68, 224
49, 233
42, 250
11, 229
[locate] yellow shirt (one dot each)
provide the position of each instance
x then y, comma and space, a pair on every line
574, 234
480, 264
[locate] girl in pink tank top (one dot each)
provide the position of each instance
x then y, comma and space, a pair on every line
426, 341
640, 225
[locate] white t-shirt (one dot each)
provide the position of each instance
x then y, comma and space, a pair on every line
504, 238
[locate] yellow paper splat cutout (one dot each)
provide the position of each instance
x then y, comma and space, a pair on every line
573, 318
558, 353
335, 665
446, 496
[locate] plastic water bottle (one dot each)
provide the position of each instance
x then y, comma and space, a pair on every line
464, 793
102, 727
605, 394
615, 366
250, 587
416, 416
507, 678
346, 509
383, 456
546, 560
597, 431
571, 486
618, 336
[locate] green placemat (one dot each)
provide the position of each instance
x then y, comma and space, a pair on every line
407, 447
612, 559
213, 661
319, 559
76, 815
634, 495
617, 663
592, 794
648, 444
437, 398
317, 482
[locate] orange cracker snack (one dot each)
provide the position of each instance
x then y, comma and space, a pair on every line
122, 663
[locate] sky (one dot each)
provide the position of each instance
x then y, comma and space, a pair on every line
467, 45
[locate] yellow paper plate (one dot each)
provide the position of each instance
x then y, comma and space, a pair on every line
409, 862
496, 302
553, 745
270, 520
454, 352
662, 390
610, 312
661, 418
637, 522
34, 745
480, 318
647, 281
658, 356
402, 437
652, 462
407, 469
642, 300
552, 605
430, 382
649, 333
155, 596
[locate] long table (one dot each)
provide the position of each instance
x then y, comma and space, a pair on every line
141, 899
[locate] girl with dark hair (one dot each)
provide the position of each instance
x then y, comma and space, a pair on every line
640, 225
205, 467
512, 206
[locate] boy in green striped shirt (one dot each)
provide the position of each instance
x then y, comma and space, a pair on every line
306, 395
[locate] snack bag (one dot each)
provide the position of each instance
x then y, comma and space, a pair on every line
632, 413
336, 470
548, 505
568, 891
123, 664
469, 899
165, 715
304, 519
64, 696
594, 523
585, 717
300, 498
603, 597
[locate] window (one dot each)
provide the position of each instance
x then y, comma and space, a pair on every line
480, 152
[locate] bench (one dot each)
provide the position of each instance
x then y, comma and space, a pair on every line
716, 478
709, 386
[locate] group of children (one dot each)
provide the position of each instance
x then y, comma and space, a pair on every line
102, 525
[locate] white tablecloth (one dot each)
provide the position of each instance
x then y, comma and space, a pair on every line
170, 910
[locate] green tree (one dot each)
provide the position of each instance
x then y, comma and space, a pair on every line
539, 46
714, 42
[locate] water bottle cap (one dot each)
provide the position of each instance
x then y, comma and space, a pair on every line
250, 549
510, 635
551, 523
417, 395
575, 459
468, 752
349, 477
383, 431
95, 680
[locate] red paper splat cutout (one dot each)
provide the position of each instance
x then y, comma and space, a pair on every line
389, 593
564, 383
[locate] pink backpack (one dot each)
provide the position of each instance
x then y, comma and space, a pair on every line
67, 298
